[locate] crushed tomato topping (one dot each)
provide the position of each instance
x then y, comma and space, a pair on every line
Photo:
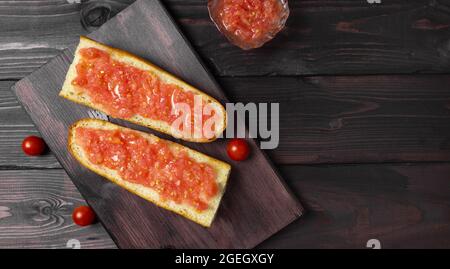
172, 174
125, 91
249, 23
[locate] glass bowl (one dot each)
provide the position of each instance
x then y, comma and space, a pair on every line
249, 24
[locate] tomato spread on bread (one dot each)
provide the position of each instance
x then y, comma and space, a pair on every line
173, 174
124, 91
249, 23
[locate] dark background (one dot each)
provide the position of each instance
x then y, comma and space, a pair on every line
365, 109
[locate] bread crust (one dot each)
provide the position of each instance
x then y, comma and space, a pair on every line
73, 93
204, 218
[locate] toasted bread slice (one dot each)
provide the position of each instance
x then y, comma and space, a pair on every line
203, 218
75, 93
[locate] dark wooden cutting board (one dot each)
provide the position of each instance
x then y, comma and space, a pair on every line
256, 204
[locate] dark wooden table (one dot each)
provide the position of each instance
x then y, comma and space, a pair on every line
365, 118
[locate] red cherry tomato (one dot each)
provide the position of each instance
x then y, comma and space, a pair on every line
238, 149
83, 215
33, 145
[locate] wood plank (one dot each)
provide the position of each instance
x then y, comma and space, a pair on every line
333, 37
327, 119
323, 37
402, 205
348, 119
33, 32
257, 203
36, 212
15, 125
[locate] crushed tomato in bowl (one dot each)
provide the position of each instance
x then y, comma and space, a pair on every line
249, 23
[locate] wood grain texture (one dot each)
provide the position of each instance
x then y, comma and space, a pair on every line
333, 37
33, 32
402, 205
256, 204
328, 119
36, 212
15, 125
354, 119
322, 37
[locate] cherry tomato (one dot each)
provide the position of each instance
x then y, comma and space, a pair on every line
33, 145
83, 215
238, 149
